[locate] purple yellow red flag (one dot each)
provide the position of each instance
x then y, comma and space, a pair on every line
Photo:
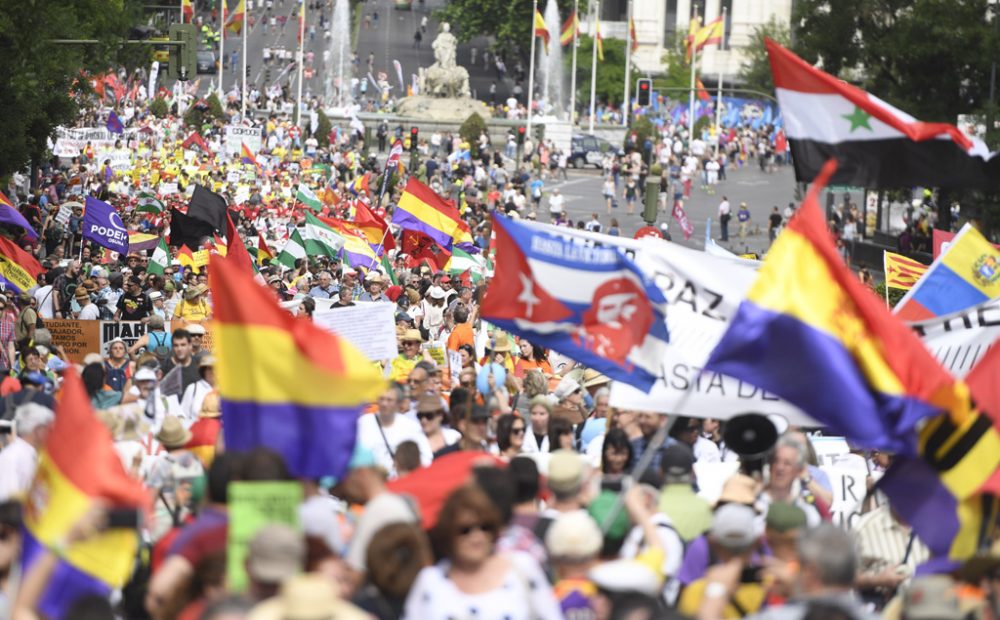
79, 468
285, 383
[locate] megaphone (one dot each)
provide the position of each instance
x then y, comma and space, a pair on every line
750, 435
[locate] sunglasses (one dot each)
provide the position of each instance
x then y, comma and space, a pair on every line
425, 415
476, 527
517, 431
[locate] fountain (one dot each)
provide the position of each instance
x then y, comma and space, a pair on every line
338, 70
443, 88
550, 65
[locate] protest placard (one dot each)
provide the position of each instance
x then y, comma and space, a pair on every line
253, 505
371, 327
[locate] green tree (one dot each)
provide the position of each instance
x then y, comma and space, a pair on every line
38, 75
755, 72
509, 23
323, 129
205, 113
610, 71
159, 108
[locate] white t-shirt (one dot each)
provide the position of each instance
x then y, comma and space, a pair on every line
46, 301
556, 202
18, 462
673, 552
402, 429
524, 594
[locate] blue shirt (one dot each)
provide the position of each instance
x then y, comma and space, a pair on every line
317, 292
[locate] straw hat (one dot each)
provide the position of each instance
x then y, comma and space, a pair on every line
211, 407
306, 597
412, 335
502, 344
172, 434
194, 291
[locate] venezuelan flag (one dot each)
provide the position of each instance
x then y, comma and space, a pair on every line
810, 332
966, 274
285, 383
18, 269
79, 467
423, 211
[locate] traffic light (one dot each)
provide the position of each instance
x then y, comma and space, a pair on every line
414, 134
183, 62
643, 90
521, 131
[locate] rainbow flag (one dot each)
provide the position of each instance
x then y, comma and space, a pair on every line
964, 275
423, 211
308, 386
79, 467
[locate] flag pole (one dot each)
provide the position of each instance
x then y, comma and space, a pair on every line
593, 66
694, 63
531, 66
626, 103
885, 270
302, 42
222, 46
718, 99
243, 58
572, 78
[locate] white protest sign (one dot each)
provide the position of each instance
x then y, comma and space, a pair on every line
371, 327
703, 293
454, 366
849, 491
65, 212
236, 136
834, 452
711, 477
69, 142
959, 340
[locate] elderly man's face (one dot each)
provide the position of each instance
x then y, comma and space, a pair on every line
324, 280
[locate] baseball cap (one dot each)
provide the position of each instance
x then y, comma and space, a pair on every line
677, 460
784, 517
625, 576
196, 329
276, 552
733, 527
573, 535
145, 374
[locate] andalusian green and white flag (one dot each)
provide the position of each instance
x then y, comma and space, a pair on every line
307, 197
160, 259
148, 203
460, 262
295, 248
320, 239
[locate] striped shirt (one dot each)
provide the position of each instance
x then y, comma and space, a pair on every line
883, 543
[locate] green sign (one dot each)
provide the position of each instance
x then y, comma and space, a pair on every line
252, 505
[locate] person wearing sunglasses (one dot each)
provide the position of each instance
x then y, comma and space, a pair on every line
430, 414
510, 435
473, 580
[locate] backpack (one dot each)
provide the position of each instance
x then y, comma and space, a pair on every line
160, 348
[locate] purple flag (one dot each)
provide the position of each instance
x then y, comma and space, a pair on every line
102, 225
11, 217
115, 124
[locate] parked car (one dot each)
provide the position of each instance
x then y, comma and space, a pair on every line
588, 150
206, 63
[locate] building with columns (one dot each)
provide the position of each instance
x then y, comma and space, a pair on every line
659, 22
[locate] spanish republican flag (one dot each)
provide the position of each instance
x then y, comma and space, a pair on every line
235, 22
5, 201
78, 469
541, 30
375, 229
18, 269
246, 156
599, 41
285, 383
631, 34
570, 29
187, 11
902, 272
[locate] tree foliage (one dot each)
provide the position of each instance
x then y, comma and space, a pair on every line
198, 115
755, 72
610, 72
38, 75
930, 58
323, 129
509, 23
471, 129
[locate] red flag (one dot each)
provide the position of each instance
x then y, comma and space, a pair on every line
702, 92
195, 140
236, 251
375, 228
431, 486
420, 247
986, 393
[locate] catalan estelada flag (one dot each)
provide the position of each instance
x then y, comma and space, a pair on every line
810, 332
901, 271
421, 210
19, 270
246, 156
285, 383
964, 275
78, 468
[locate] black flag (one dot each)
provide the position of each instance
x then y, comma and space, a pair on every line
185, 230
208, 207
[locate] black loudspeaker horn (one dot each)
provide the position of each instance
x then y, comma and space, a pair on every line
750, 435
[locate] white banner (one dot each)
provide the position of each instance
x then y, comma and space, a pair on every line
236, 135
371, 327
154, 72
961, 339
70, 142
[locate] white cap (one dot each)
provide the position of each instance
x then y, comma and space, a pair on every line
436, 292
626, 576
145, 374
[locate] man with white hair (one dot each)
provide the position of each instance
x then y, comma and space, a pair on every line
20, 458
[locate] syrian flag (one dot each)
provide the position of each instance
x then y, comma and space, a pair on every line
160, 259
876, 145
308, 197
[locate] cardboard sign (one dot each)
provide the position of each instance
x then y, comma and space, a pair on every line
252, 505
78, 338
237, 136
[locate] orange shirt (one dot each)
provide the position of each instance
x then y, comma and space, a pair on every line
462, 334
523, 366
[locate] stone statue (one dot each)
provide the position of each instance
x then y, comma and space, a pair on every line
444, 78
